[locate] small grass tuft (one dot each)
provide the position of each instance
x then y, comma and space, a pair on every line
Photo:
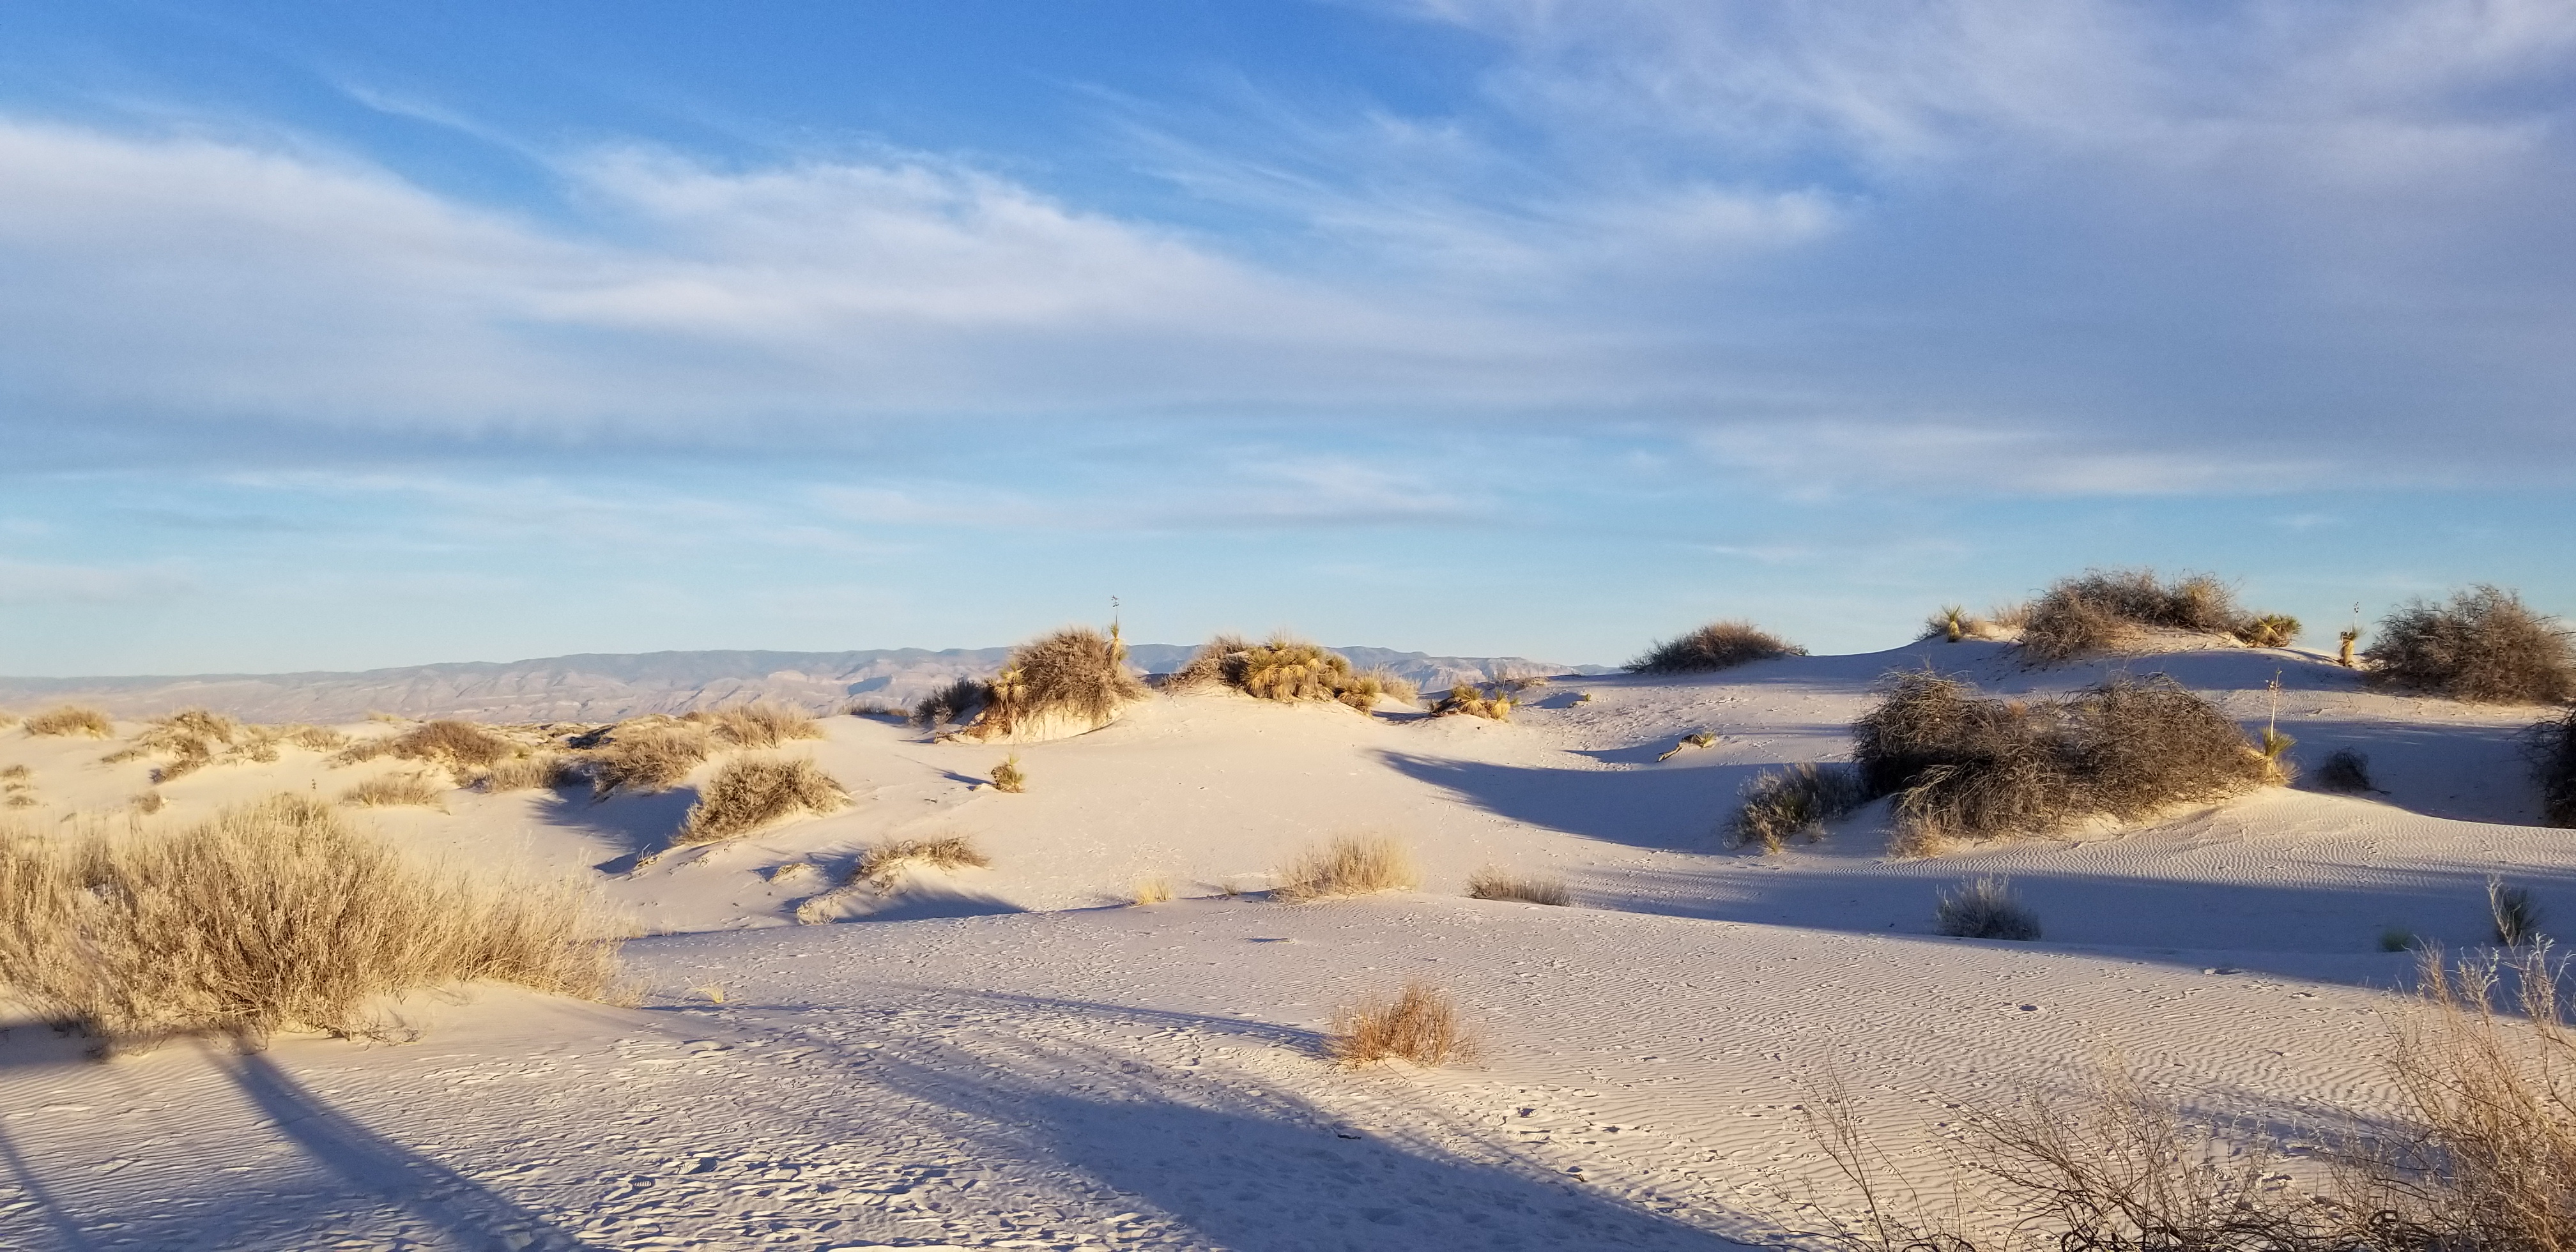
396, 790
2268, 630
1984, 908
72, 719
760, 724
1152, 891
1795, 802
1494, 884
1008, 777
149, 803
754, 792
535, 770
1716, 646
2516, 918
1420, 1024
2484, 647
1352, 865
1491, 702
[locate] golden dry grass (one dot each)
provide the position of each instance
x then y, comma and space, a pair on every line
883, 861
1716, 646
273, 916
1351, 865
1288, 670
1074, 678
394, 790
463, 748
149, 802
760, 724
522, 773
1419, 1024
1469, 700
192, 739
1494, 884
1009, 777
1152, 891
648, 754
754, 792
71, 719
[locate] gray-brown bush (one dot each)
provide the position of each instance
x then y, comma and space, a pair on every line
752, 792
2345, 772
760, 724
1795, 802
2106, 610
1494, 884
274, 916
1972, 768
2485, 647
1071, 680
648, 754
71, 719
953, 703
1716, 646
1419, 1024
1351, 865
2551, 747
1984, 908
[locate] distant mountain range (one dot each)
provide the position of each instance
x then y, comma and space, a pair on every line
604, 686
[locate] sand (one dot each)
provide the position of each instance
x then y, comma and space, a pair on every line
1018, 1057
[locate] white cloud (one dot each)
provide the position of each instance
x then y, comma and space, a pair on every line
34, 583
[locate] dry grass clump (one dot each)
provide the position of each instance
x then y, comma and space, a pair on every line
1965, 767
753, 792
1419, 1025
535, 770
193, 739
1288, 670
1071, 681
1955, 624
953, 703
8, 719
2107, 610
2551, 747
18, 788
1795, 802
2516, 916
1151, 891
1984, 908
394, 790
2268, 630
1494, 884
2485, 647
270, 917
760, 724
1009, 777
648, 754
882, 862
2345, 772
149, 803
1716, 646
1491, 701
464, 748
1352, 865
71, 719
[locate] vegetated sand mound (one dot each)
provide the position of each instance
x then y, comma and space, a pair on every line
1072, 682
1000, 1054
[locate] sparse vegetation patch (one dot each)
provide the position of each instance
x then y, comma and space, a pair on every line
648, 754
2109, 610
1352, 865
1716, 646
753, 792
72, 719
1984, 908
1795, 803
2485, 647
1420, 1024
1494, 884
1072, 681
1288, 670
2345, 772
393, 790
464, 748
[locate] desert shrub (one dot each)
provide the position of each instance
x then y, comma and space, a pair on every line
1009, 777
2485, 647
953, 703
1953, 623
753, 792
273, 916
462, 747
1419, 1025
149, 803
2106, 610
1966, 767
521, 773
648, 754
881, 867
2551, 749
2516, 917
1795, 802
2269, 630
2345, 771
1076, 677
1716, 646
1495, 884
1352, 865
71, 719
394, 790
315, 738
1470, 700
1984, 908
1152, 891
1288, 670
761, 724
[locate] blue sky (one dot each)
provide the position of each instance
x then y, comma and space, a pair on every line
359, 334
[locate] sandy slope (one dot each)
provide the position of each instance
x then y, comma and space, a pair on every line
1012, 1058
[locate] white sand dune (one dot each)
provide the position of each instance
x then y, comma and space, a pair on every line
1015, 1057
